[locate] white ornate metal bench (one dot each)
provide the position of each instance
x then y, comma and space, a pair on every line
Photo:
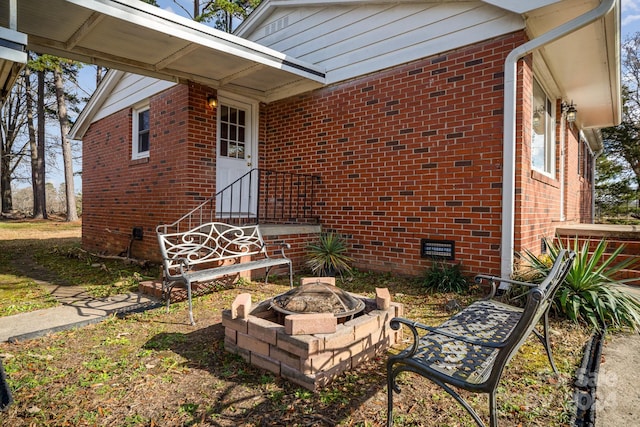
470, 350
211, 251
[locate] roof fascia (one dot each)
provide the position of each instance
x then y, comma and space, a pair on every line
520, 6
160, 20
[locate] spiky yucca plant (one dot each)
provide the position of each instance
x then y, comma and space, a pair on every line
328, 256
589, 293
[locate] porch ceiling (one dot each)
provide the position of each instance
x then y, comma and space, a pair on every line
585, 64
143, 39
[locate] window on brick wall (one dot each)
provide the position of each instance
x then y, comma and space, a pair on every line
582, 158
543, 153
585, 161
140, 133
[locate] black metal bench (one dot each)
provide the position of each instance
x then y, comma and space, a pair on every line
470, 350
211, 251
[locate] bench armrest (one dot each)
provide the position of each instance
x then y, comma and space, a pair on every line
281, 246
494, 281
415, 326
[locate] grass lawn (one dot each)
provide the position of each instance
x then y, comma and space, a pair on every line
154, 369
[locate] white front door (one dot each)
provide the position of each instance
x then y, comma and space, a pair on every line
237, 151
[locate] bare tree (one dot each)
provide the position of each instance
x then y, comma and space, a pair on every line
37, 162
622, 142
225, 14
12, 150
67, 155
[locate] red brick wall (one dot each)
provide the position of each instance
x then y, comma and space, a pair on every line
539, 209
413, 152
408, 153
119, 194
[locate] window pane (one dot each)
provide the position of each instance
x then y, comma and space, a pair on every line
233, 150
224, 147
143, 131
143, 120
232, 132
542, 150
143, 142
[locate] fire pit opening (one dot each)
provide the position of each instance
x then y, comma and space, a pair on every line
318, 297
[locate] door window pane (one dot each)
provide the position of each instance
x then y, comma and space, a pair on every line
232, 132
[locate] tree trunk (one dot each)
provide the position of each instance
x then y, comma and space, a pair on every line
72, 213
41, 142
5, 181
39, 210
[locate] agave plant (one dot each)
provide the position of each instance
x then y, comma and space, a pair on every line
328, 256
590, 293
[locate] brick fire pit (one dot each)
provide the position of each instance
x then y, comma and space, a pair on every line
309, 349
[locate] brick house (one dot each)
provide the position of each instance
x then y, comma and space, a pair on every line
473, 125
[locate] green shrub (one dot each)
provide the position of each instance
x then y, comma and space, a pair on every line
328, 256
443, 277
589, 293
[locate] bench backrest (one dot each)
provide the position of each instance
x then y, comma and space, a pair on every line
208, 243
539, 300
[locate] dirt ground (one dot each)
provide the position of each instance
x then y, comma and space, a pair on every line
154, 369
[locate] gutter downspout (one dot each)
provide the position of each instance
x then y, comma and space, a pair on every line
509, 137
563, 143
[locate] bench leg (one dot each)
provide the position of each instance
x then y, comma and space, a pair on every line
493, 409
166, 292
266, 274
188, 285
544, 339
392, 386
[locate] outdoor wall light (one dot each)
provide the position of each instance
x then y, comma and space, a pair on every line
570, 111
537, 119
212, 101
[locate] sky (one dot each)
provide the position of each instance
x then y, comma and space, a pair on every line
630, 20
630, 24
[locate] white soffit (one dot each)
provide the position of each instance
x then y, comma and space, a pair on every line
586, 63
136, 37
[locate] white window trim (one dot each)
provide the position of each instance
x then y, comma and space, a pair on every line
135, 154
550, 136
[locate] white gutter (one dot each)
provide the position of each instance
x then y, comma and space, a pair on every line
509, 138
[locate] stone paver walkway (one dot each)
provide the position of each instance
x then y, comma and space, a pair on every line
78, 308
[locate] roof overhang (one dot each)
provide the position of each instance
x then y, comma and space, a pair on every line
136, 37
584, 65
13, 55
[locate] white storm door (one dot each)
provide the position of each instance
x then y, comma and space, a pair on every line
236, 151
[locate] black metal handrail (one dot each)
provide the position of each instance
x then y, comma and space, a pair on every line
259, 196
